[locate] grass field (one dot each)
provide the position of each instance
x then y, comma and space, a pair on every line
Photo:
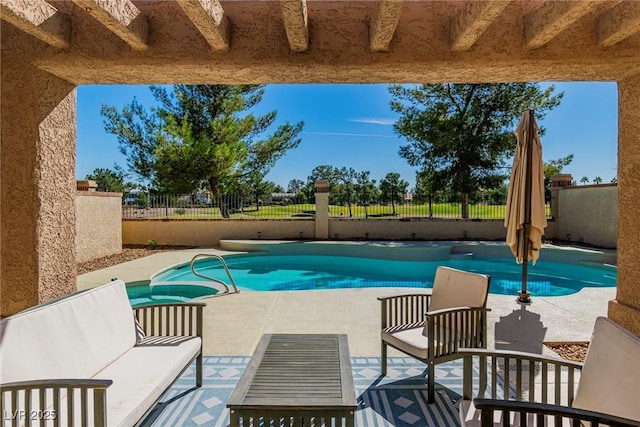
438, 210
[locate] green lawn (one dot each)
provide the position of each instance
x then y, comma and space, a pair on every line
438, 210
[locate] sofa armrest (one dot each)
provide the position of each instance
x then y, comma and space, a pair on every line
402, 309
43, 401
537, 378
542, 411
179, 319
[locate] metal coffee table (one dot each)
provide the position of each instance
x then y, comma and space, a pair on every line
296, 380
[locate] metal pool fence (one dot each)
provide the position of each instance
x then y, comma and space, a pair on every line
161, 206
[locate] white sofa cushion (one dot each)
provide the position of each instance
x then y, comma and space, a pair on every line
74, 337
143, 373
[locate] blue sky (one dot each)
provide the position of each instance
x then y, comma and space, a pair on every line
351, 125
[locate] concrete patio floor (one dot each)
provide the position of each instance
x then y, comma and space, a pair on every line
234, 324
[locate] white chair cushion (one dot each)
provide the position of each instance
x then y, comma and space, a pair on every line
611, 373
455, 288
409, 338
74, 337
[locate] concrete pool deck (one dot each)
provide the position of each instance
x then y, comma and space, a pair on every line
234, 324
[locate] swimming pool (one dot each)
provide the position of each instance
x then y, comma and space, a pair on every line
143, 294
269, 272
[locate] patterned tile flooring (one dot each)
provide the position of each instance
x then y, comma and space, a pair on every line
398, 399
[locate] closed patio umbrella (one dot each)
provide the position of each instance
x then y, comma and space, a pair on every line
525, 216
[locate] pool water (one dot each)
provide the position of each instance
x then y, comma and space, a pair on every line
302, 272
145, 295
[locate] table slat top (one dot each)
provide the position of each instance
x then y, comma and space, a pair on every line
297, 371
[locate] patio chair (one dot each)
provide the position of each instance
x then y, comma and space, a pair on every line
432, 327
530, 389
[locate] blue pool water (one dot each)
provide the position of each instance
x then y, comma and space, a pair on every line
145, 295
300, 272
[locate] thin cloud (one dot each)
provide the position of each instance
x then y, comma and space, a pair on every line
366, 135
373, 121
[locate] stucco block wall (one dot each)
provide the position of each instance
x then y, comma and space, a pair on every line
98, 225
411, 229
209, 232
589, 214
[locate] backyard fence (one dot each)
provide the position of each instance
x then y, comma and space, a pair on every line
286, 205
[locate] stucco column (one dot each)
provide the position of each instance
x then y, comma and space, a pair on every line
37, 178
625, 309
322, 209
557, 182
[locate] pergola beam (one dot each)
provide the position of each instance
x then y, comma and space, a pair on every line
469, 25
209, 18
384, 23
553, 17
122, 18
294, 15
38, 18
619, 23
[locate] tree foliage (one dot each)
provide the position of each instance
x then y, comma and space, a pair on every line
393, 189
463, 133
110, 180
200, 135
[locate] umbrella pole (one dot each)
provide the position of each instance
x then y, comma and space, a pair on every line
524, 296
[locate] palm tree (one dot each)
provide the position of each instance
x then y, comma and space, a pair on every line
597, 180
584, 180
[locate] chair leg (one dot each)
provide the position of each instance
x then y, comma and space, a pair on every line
199, 371
384, 358
431, 383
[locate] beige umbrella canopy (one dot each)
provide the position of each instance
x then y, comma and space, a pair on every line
525, 216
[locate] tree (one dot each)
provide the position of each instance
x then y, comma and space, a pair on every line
597, 180
393, 188
584, 180
295, 186
348, 178
464, 132
110, 180
365, 190
551, 168
614, 180
200, 134
327, 172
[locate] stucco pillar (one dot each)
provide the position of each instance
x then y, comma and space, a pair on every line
557, 182
625, 309
37, 178
322, 209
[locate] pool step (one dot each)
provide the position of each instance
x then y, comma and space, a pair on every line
461, 255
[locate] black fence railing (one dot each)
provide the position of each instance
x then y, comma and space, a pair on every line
284, 205
161, 206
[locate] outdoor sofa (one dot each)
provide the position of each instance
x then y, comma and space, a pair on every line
517, 389
86, 360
